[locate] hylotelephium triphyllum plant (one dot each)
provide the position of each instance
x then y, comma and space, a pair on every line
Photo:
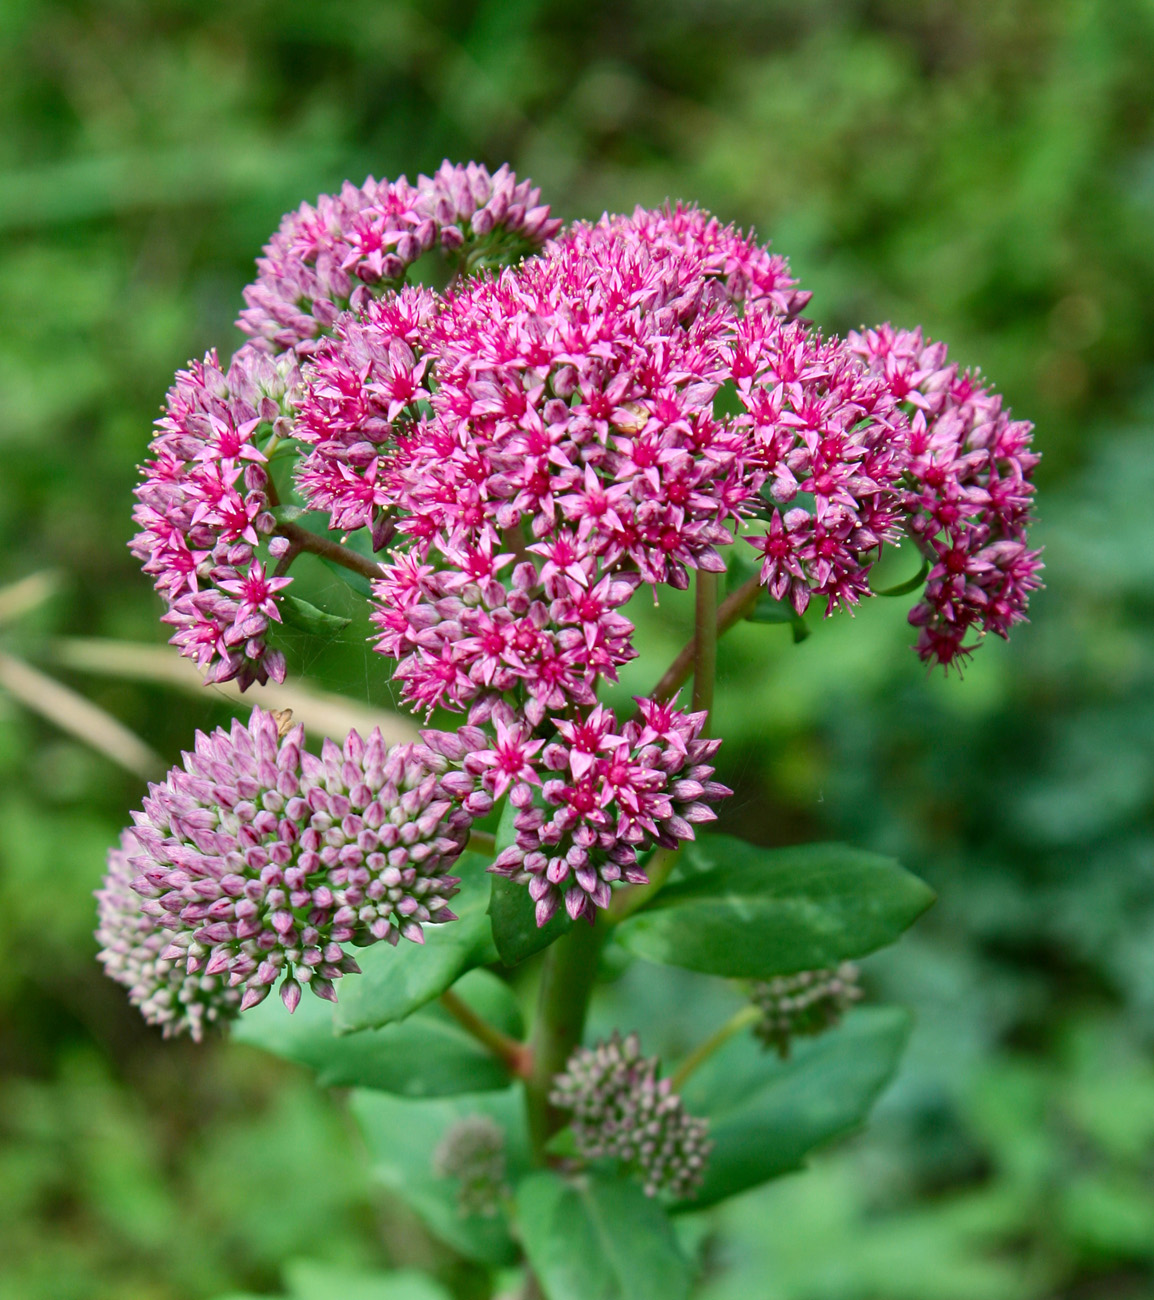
581, 413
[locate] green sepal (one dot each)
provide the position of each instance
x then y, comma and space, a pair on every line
395, 982
596, 1236
747, 912
427, 1055
766, 1114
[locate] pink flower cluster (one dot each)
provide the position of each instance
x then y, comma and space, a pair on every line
531, 447
331, 257
589, 799
203, 510
818, 424
968, 507
262, 860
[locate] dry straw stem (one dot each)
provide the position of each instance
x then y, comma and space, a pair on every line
79, 717
20, 598
319, 711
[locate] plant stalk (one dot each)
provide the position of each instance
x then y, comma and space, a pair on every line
301, 539
513, 1054
732, 610
631, 898
704, 642
703, 1051
562, 1002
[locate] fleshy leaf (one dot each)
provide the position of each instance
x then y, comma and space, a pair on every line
747, 912
308, 618
396, 981
312, 1280
402, 1136
427, 1055
599, 1237
767, 1114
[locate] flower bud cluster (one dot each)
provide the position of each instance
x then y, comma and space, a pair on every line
261, 860
802, 1005
472, 1151
622, 1111
131, 943
203, 509
587, 801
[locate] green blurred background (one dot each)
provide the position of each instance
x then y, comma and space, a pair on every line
985, 169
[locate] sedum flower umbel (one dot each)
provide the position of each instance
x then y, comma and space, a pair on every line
622, 1111
261, 861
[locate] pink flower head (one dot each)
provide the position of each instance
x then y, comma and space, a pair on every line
605, 794
259, 861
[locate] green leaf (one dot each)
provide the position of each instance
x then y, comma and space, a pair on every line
597, 1238
513, 913
402, 1136
427, 1055
767, 1114
312, 1280
747, 912
308, 618
396, 981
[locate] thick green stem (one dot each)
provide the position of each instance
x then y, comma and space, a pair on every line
562, 1001
704, 642
703, 1051
731, 610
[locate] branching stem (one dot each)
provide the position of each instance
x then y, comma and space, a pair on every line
704, 642
703, 1051
513, 1054
732, 610
632, 898
301, 539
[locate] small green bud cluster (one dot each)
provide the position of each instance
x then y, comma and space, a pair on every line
802, 1005
472, 1151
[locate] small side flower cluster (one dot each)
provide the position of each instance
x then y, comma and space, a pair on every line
204, 509
331, 257
261, 860
588, 800
803, 1005
968, 507
472, 1151
622, 1111
131, 943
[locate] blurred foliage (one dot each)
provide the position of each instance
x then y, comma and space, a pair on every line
984, 169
